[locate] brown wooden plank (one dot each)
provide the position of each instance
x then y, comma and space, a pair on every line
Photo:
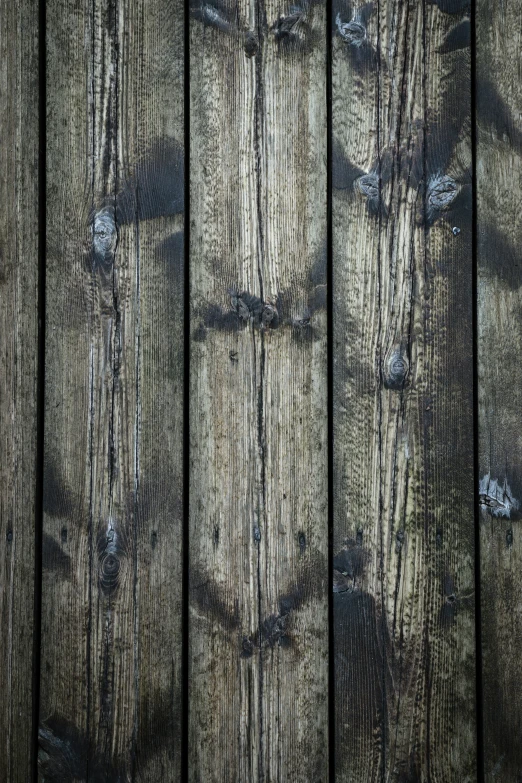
403, 429
18, 381
111, 668
258, 399
499, 162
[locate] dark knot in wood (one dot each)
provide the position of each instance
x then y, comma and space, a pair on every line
212, 16
109, 561
399, 541
109, 571
396, 370
250, 44
287, 27
368, 186
104, 232
442, 192
352, 32
497, 497
268, 315
251, 308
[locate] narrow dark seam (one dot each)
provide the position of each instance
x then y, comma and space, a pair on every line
394, 316
407, 486
258, 118
185, 554
260, 509
40, 388
379, 396
476, 422
426, 438
116, 351
91, 413
330, 393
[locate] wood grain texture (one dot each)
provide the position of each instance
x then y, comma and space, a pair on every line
403, 376
111, 627
258, 400
18, 381
499, 161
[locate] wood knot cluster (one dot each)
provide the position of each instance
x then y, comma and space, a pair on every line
213, 16
104, 233
109, 569
272, 631
250, 44
396, 370
442, 192
250, 308
109, 562
291, 29
352, 32
497, 498
301, 323
368, 186
349, 566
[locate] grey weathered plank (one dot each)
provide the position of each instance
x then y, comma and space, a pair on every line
112, 570
499, 162
18, 380
258, 398
403, 378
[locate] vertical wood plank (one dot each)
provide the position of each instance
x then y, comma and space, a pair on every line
258, 401
403, 375
18, 381
499, 151
111, 630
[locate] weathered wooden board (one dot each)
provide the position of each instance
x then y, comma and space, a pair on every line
499, 160
112, 567
258, 393
403, 377
19, 214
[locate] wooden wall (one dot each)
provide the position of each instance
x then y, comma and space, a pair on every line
260, 314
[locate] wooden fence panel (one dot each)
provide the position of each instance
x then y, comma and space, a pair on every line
499, 158
19, 301
112, 479
403, 539
112, 565
258, 396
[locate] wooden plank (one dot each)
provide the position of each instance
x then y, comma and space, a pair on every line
258, 394
403, 377
18, 381
111, 646
499, 161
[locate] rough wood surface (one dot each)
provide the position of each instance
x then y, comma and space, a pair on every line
499, 161
258, 399
112, 570
403, 429
18, 381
